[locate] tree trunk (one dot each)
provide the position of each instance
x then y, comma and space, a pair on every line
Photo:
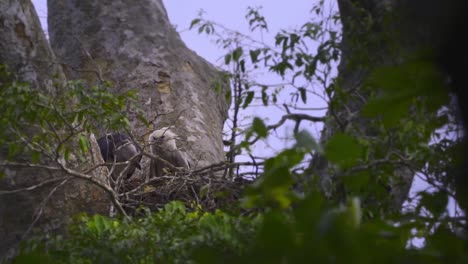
367, 43
26, 53
134, 46
383, 33
23, 46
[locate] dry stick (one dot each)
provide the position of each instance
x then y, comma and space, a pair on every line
33, 145
80, 175
190, 176
221, 165
251, 174
95, 167
28, 165
104, 187
167, 163
120, 177
134, 190
33, 187
201, 172
255, 163
229, 165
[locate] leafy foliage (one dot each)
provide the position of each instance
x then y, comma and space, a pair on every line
172, 235
404, 121
344, 150
313, 231
44, 124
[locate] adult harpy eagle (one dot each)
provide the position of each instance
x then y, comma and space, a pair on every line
119, 147
163, 144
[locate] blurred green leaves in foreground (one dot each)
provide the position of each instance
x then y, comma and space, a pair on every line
310, 232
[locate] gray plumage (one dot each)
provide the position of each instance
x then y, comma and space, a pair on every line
120, 148
163, 144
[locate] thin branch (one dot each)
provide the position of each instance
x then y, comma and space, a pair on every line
295, 117
28, 165
33, 187
101, 185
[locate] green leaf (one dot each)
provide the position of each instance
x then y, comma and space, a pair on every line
445, 241
175, 206
274, 187
125, 122
209, 29
201, 28
254, 55
35, 157
242, 65
194, 22
227, 58
303, 93
294, 39
228, 96
274, 98
84, 143
310, 68
248, 99
264, 96
245, 145
204, 190
277, 169
142, 119
391, 110
66, 154
281, 67
305, 140
357, 182
97, 225
34, 257
13, 149
343, 150
237, 53
435, 202
354, 212
275, 228
259, 127
400, 85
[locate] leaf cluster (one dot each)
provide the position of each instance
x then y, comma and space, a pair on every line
51, 125
171, 235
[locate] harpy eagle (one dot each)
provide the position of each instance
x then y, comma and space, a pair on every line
119, 147
162, 144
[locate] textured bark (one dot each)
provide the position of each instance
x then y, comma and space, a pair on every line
362, 52
133, 45
23, 46
442, 25
407, 26
410, 26
24, 49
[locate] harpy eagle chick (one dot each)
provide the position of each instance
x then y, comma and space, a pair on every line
163, 144
120, 148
